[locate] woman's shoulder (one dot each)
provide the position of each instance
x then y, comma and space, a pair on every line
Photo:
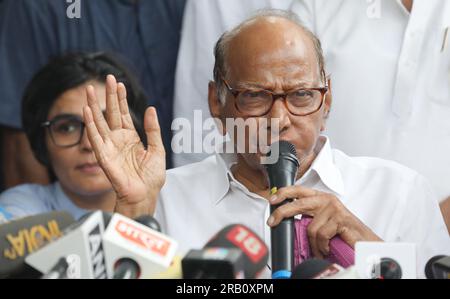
27, 199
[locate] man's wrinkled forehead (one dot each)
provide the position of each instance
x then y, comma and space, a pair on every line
272, 44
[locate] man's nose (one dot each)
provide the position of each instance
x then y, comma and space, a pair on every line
280, 114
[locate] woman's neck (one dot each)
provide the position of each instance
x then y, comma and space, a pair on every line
103, 201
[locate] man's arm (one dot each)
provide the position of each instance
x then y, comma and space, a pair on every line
445, 209
18, 162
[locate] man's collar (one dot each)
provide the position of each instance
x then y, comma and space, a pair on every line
323, 166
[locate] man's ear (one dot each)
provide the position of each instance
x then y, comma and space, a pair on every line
327, 104
216, 107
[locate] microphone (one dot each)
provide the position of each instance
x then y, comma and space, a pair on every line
22, 237
147, 251
282, 174
240, 237
438, 267
213, 263
315, 269
59, 271
149, 221
4, 216
81, 242
387, 268
174, 271
429, 271
384, 260
323, 269
126, 268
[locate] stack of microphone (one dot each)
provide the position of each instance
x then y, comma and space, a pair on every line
103, 246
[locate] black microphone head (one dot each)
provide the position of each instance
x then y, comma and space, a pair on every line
106, 217
429, 272
126, 268
282, 173
214, 263
149, 221
256, 253
310, 269
387, 268
21, 237
286, 148
59, 271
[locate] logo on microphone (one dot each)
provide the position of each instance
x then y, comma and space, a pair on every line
96, 252
247, 242
30, 240
143, 238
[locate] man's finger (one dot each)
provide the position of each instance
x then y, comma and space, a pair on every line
324, 235
308, 206
320, 221
113, 114
127, 121
99, 120
292, 192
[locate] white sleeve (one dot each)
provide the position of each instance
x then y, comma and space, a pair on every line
23, 200
423, 224
160, 214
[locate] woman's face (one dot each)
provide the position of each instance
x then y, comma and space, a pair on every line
75, 167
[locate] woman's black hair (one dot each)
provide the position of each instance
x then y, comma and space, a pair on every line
67, 72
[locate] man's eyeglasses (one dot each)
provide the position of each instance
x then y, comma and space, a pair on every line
65, 130
256, 103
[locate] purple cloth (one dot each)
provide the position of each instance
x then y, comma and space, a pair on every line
340, 252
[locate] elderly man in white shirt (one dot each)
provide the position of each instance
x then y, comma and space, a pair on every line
203, 23
390, 60
268, 68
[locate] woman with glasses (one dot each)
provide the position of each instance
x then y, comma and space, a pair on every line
52, 116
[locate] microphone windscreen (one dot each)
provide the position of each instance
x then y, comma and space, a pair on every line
309, 269
149, 221
429, 272
241, 237
21, 237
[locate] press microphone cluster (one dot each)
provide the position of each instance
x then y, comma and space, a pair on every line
103, 245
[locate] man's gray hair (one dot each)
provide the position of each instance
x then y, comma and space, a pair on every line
221, 48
